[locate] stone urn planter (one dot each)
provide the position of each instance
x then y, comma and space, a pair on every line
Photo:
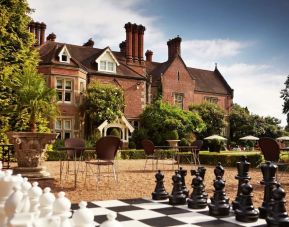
30, 148
173, 143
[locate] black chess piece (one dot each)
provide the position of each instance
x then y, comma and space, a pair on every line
197, 200
183, 174
177, 197
219, 170
201, 170
245, 211
277, 215
160, 191
269, 170
243, 168
219, 205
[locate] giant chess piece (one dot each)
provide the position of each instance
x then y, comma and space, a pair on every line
243, 168
269, 170
160, 191
177, 197
183, 174
278, 215
111, 221
202, 171
83, 217
197, 199
246, 211
219, 205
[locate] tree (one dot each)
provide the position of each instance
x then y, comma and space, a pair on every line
159, 118
213, 117
16, 53
34, 100
285, 97
102, 102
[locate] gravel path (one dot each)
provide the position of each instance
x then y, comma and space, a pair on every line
134, 182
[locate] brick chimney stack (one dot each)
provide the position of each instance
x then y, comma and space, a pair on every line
174, 47
38, 29
134, 43
141, 30
89, 43
128, 44
149, 56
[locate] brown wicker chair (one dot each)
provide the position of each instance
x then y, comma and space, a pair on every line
149, 149
105, 150
271, 152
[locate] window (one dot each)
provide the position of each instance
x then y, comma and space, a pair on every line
179, 100
64, 90
178, 76
64, 56
106, 66
64, 128
211, 99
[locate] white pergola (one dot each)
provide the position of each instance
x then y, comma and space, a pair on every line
121, 123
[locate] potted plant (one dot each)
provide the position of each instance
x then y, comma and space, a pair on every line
215, 145
35, 103
172, 138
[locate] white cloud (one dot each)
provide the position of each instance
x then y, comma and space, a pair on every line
257, 87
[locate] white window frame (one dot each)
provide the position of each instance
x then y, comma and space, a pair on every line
211, 99
64, 52
63, 130
179, 100
65, 90
103, 66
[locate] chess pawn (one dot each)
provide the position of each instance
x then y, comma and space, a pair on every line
160, 191
61, 208
177, 197
245, 211
277, 215
25, 187
46, 201
14, 203
34, 194
197, 200
111, 222
202, 171
219, 205
83, 217
243, 168
183, 174
269, 170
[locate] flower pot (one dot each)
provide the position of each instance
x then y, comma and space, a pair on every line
173, 143
30, 148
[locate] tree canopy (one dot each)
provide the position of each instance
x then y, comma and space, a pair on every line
213, 117
159, 118
285, 97
103, 102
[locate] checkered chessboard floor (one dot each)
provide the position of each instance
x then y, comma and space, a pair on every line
146, 212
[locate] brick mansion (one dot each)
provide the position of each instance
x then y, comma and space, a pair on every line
70, 68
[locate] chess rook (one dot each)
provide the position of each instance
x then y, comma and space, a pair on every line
243, 168
269, 170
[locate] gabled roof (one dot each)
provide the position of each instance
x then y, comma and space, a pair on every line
84, 57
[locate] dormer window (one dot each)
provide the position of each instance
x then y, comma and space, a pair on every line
64, 55
107, 61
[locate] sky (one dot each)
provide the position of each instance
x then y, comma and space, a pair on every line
248, 39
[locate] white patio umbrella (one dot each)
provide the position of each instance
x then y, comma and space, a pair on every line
249, 138
215, 137
283, 138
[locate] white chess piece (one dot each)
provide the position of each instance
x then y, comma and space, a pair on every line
25, 187
83, 217
61, 208
34, 194
111, 222
14, 202
46, 203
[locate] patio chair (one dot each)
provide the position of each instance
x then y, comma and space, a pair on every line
150, 152
271, 152
198, 144
74, 149
105, 151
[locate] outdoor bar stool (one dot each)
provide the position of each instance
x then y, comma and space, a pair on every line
150, 153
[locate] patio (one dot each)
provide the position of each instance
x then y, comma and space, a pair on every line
136, 183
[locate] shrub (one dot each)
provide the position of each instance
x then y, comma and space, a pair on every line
172, 135
138, 135
115, 132
184, 142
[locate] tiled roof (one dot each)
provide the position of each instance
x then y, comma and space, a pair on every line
83, 57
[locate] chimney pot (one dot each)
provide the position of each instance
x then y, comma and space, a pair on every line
51, 37
89, 43
122, 47
42, 32
149, 55
174, 47
128, 45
